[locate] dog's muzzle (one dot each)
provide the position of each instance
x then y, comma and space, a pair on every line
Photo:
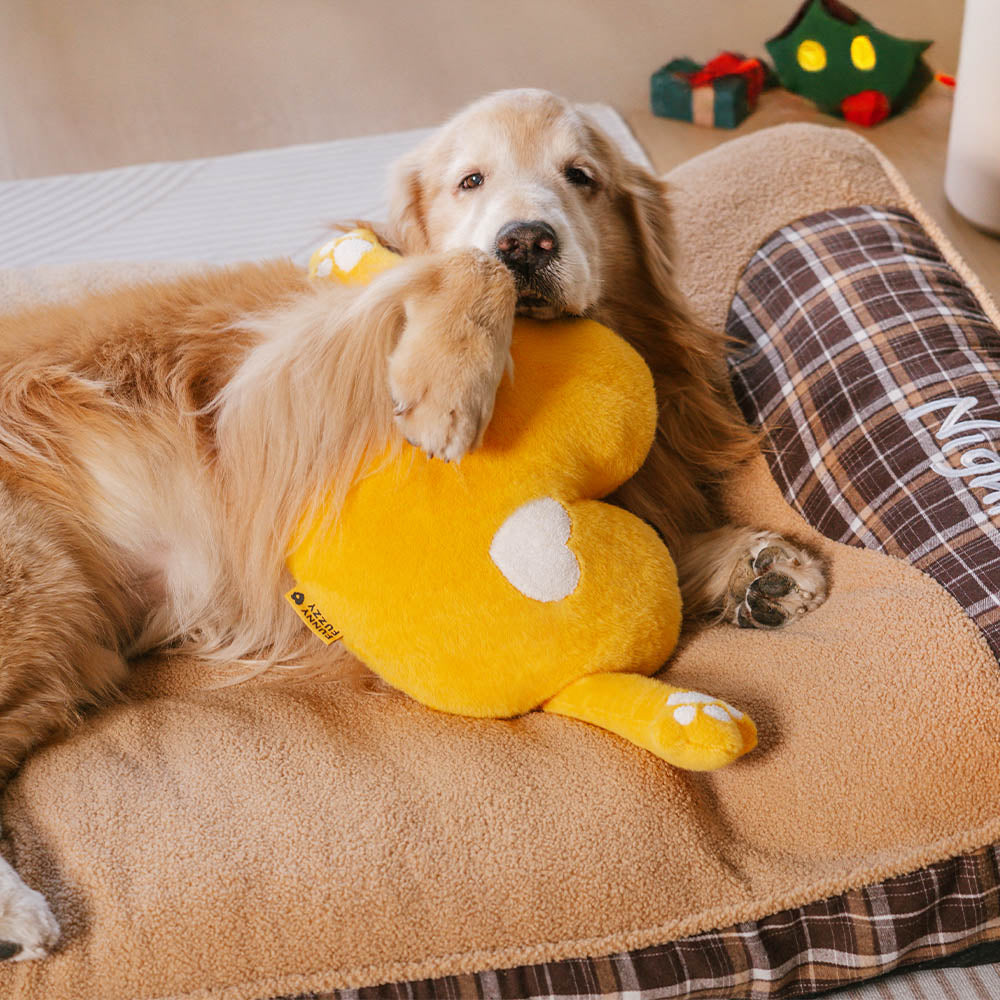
527, 248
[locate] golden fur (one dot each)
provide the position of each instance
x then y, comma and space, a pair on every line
157, 444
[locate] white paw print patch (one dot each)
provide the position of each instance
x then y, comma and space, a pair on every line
341, 255
690, 702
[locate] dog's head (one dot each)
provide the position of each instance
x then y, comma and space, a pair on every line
524, 175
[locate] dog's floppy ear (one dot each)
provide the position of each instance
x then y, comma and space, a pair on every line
641, 200
645, 206
407, 223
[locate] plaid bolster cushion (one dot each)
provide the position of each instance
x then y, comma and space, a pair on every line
873, 371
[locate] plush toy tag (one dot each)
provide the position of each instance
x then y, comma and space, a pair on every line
314, 618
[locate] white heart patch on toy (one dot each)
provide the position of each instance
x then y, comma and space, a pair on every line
529, 548
349, 251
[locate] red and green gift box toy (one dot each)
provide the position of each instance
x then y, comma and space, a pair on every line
720, 93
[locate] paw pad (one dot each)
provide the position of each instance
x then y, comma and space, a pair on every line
348, 251
773, 586
351, 259
707, 732
685, 715
688, 703
769, 555
343, 253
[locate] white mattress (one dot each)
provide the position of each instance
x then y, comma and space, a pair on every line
268, 203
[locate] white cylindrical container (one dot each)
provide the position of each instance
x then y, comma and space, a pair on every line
972, 176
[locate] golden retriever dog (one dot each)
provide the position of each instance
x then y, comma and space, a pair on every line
158, 444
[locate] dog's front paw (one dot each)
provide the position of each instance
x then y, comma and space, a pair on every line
444, 419
27, 928
773, 584
444, 374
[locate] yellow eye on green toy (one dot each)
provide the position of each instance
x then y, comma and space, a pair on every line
502, 584
811, 55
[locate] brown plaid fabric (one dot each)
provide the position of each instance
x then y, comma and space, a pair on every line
874, 373
907, 920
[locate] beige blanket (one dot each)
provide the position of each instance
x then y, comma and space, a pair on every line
273, 839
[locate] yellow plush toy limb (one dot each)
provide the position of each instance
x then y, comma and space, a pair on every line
501, 584
687, 728
353, 259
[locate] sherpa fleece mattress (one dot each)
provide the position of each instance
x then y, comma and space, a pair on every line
276, 840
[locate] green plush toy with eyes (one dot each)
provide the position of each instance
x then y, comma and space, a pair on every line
848, 67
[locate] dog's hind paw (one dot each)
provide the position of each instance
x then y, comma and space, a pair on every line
774, 583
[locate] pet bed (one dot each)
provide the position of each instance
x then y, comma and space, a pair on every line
285, 840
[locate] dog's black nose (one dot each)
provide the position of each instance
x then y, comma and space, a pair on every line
527, 247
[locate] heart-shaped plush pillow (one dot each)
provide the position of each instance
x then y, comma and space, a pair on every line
501, 584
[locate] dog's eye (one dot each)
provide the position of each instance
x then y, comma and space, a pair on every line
578, 177
471, 181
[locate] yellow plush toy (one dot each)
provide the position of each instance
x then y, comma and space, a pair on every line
501, 584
